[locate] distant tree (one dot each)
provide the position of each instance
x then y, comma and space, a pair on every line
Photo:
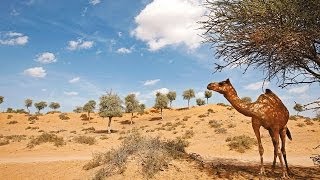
40, 105
1, 99
207, 95
78, 109
110, 106
188, 94
142, 107
10, 110
171, 96
89, 107
298, 107
161, 102
247, 99
28, 103
132, 105
54, 105
200, 102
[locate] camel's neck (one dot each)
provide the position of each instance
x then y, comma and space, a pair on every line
241, 106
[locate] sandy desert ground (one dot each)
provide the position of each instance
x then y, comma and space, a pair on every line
215, 159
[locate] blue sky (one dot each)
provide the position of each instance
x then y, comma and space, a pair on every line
73, 51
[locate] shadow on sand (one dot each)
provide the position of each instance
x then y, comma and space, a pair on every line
105, 131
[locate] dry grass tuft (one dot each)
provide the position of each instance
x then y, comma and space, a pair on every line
85, 140
15, 138
33, 118
188, 134
214, 124
32, 128
89, 130
300, 124
44, 138
155, 155
210, 110
241, 143
9, 116
64, 116
12, 122
220, 131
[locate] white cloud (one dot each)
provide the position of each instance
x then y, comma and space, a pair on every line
44, 90
200, 94
124, 51
46, 58
14, 12
71, 93
170, 22
13, 38
119, 34
151, 82
162, 91
79, 44
299, 90
257, 85
94, 2
74, 80
37, 72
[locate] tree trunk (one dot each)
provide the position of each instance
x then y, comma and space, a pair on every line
131, 118
109, 125
188, 103
170, 104
161, 114
207, 100
28, 110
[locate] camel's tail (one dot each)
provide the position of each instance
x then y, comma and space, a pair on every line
289, 134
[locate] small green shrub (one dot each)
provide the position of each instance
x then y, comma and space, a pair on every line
241, 143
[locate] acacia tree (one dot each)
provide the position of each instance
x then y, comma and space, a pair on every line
1, 99
28, 103
188, 94
132, 105
171, 96
54, 105
281, 37
207, 95
40, 105
142, 107
78, 109
200, 102
110, 106
89, 107
298, 107
161, 102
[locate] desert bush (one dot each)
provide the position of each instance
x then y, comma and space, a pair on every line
9, 116
241, 143
15, 138
104, 137
309, 122
64, 116
153, 152
203, 115
232, 125
84, 117
188, 134
210, 110
89, 130
220, 130
222, 104
4, 142
12, 122
214, 124
85, 140
33, 117
186, 118
32, 128
44, 138
300, 124
73, 132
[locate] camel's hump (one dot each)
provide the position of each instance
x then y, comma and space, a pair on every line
268, 91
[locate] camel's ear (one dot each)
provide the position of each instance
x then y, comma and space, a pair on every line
228, 81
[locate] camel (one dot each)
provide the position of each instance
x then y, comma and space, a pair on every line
267, 111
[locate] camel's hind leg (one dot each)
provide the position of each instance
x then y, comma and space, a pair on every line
283, 147
256, 129
276, 135
274, 150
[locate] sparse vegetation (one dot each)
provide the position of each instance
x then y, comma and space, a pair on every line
232, 125
241, 143
207, 95
246, 99
12, 122
298, 107
187, 95
89, 107
186, 118
89, 130
132, 105
32, 128
28, 104
188, 134
15, 138
300, 124
171, 96
78, 109
210, 110
84, 117
85, 140
44, 138
214, 124
4, 142
220, 131
154, 153
9, 116
40, 105
200, 102
64, 116
161, 102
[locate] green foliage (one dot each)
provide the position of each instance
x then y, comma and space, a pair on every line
54, 105
200, 102
161, 101
207, 95
246, 99
280, 37
131, 103
89, 106
188, 94
171, 96
298, 107
40, 105
1, 99
110, 106
78, 109
28, 103
241, 143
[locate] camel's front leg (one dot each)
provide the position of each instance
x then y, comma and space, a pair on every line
256, 130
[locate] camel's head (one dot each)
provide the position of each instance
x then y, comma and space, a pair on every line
220, 87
